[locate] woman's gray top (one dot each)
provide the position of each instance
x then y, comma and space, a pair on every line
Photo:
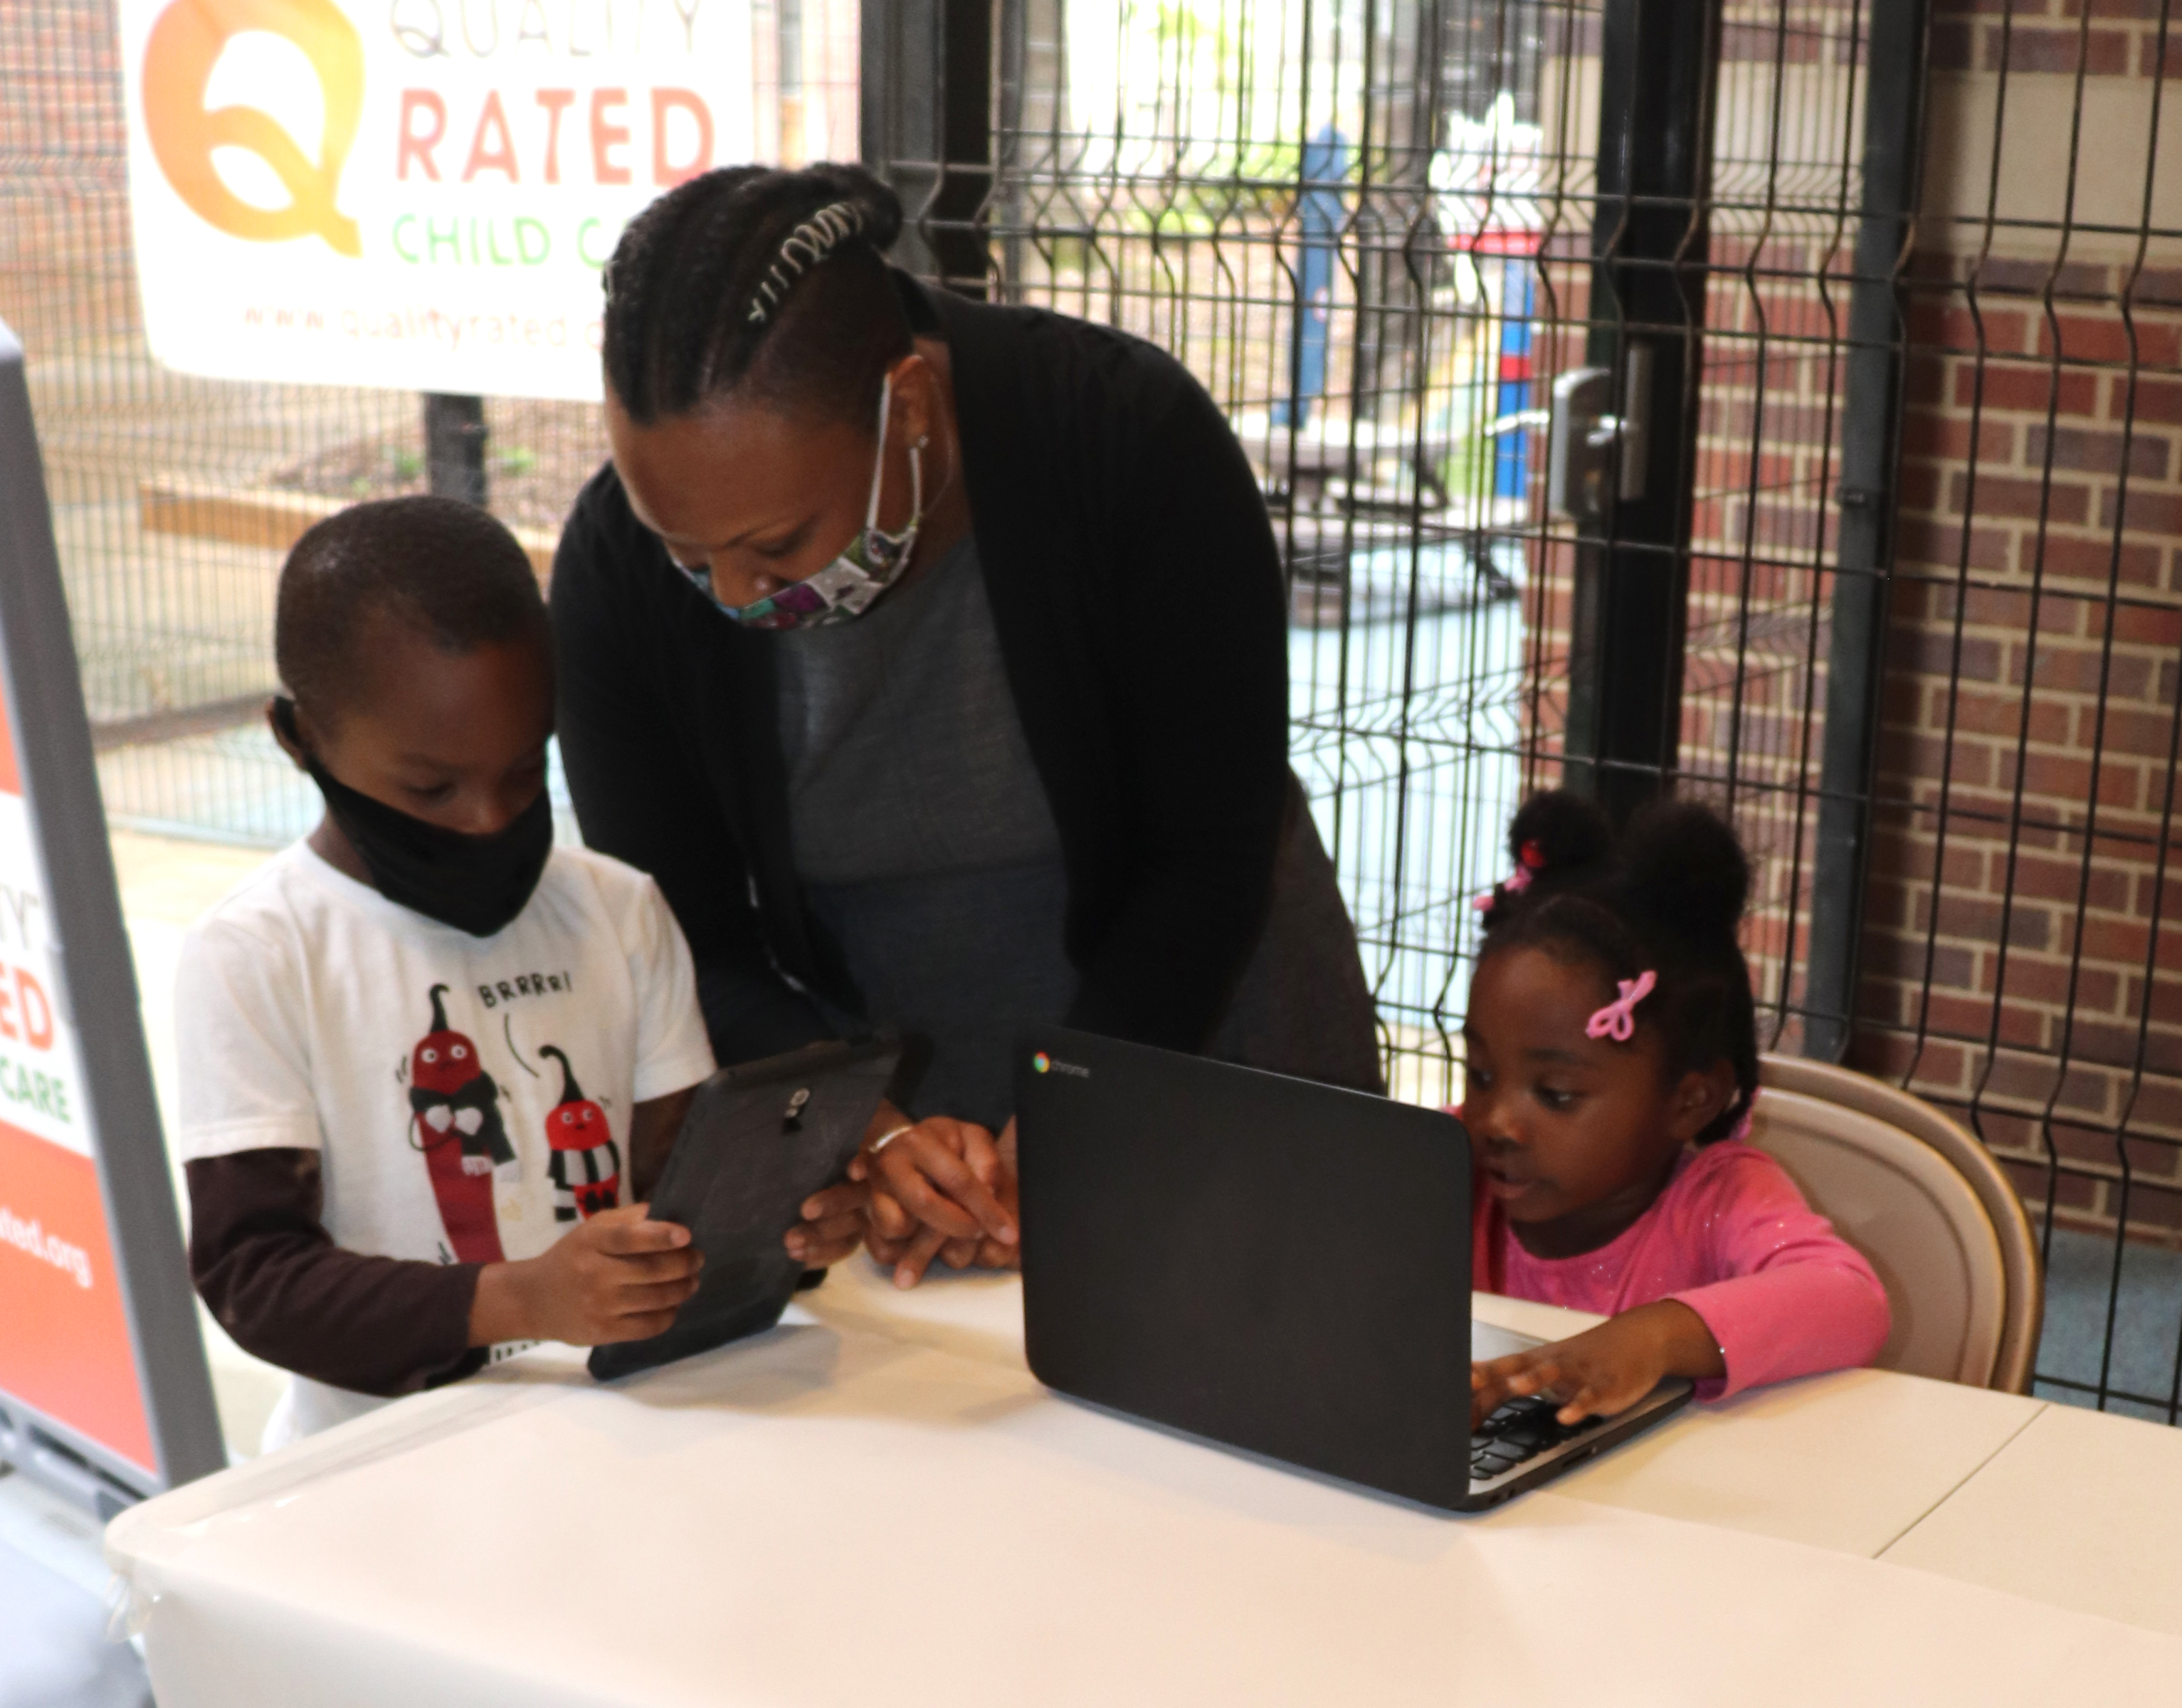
926, 849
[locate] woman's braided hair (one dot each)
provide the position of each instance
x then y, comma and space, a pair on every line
754, 280
1667, 893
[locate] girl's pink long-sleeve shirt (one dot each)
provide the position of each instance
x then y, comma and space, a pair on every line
1732, 1239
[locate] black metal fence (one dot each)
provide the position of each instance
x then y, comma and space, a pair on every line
1863, 320
1862, 323
174, 497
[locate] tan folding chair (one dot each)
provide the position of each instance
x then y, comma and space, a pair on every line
1923, 1200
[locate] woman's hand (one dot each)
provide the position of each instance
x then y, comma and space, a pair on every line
985, 1252
620, 1276
941, 1188
1604, 1370
834, 1222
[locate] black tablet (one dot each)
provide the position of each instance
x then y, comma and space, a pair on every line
758, 1141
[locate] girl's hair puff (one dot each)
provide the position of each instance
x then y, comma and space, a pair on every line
1667, 893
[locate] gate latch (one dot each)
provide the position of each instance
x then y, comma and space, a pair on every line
1595, 455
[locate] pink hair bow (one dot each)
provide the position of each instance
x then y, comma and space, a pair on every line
1515, 884
1618, 1020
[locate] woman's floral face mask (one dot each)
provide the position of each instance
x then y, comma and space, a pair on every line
846, 587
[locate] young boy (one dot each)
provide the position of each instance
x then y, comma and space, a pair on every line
429, 1062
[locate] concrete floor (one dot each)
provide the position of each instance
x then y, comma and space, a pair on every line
2146, 1302
53, 1613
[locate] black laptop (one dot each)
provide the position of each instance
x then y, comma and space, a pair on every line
1273, 1265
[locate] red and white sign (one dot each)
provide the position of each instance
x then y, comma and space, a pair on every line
413, 193
64, 1341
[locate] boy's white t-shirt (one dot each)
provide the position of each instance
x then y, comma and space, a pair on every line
312, 1012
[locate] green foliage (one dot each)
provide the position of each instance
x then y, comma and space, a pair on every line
1467, 471
1068, 253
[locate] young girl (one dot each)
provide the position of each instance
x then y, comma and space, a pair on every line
1612, 1059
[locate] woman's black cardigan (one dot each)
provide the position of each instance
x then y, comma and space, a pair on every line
1136, 590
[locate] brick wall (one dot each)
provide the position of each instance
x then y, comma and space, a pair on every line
1769, 449
60, 68
2106, 38
1782, 227
64, 267
2021, 947
2021, 942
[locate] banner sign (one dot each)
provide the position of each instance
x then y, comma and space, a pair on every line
417, 194
64, 1334
103, 1388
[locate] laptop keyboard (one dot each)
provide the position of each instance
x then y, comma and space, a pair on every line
1519, 1430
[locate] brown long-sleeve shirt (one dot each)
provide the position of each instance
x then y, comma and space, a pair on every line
262, 1259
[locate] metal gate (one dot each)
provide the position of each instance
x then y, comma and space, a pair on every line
1864, 324
1385, 235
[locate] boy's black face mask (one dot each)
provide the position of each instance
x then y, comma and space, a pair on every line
475, 884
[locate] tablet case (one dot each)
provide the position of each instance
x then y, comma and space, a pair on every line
758, 1141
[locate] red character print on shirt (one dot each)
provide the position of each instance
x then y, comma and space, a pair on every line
455, 1110
586, 1164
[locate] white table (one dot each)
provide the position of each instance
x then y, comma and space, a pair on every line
1848, 1462
2079, 1510
878, 1503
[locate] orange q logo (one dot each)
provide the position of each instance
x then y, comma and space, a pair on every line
185, 46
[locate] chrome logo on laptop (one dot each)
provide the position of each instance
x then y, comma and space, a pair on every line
1043, 1064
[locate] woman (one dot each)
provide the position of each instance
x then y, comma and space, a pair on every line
932, 656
